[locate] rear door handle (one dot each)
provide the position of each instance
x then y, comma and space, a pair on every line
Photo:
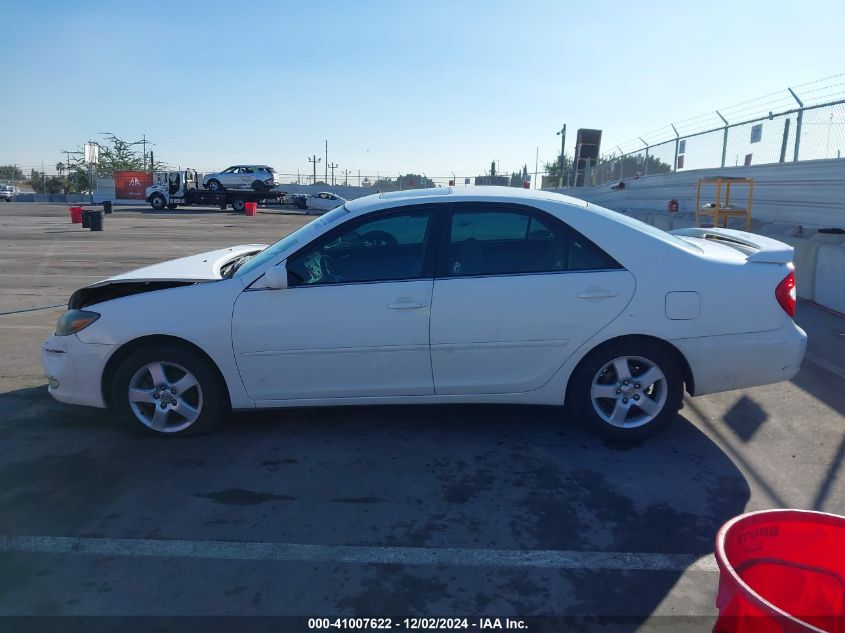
406, 305
597, 294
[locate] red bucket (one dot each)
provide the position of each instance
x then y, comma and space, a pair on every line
76, 215
781, 571
250, 208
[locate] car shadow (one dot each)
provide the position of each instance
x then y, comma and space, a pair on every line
481, 477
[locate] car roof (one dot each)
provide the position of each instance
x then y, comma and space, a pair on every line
463, 194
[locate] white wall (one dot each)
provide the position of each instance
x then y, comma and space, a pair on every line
810, 193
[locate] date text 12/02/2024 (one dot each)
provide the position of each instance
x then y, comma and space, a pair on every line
482, 624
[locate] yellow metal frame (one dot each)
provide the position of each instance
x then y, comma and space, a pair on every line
720, 213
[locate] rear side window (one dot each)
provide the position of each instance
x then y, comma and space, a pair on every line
503, 241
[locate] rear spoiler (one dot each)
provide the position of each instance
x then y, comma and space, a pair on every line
759, 248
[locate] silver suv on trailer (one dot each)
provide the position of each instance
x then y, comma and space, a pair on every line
255, 177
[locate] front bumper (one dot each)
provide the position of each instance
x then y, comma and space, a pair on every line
74, 369
738, 361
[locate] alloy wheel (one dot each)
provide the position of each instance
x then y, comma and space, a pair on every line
629, 392
165, 397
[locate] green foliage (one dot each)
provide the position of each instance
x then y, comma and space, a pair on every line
10, 172
408, 181
48, 184
630, 164
553, 169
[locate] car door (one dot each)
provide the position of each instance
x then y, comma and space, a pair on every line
228, 178
319, 202
354, 321
516, 292
246, 176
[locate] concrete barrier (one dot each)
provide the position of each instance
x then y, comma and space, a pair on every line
805, 260
830, 277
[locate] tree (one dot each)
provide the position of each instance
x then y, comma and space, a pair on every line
116, 154
553, 169
630, 165
41, 183
10, 172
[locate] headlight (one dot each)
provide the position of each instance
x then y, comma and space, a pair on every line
74, 321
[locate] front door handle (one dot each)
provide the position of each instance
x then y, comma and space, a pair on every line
597, 294
406, 305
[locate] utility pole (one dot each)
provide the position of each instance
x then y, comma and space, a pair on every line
562, 134
536, 161
359, 177
327, 163
332, 167
314, 160
345, 177
144, 154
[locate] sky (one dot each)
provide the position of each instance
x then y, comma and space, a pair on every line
393, 86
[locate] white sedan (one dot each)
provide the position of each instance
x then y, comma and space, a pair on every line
324, 201
482, 294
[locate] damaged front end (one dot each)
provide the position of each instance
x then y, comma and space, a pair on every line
116, 289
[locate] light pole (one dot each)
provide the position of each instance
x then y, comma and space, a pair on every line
562, 134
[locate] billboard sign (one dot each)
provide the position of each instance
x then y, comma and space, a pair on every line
92, 153
131, 185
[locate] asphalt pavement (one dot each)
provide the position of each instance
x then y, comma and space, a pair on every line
395, 512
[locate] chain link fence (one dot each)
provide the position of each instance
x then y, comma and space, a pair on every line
802, 123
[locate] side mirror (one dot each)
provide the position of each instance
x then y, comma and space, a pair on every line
276, 277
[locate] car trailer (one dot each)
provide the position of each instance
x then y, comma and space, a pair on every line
172, 189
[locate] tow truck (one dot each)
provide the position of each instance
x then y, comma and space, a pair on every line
170, 189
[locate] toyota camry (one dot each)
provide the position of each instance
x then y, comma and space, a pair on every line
448, 295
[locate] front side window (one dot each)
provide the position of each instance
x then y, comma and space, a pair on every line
230, 170
385, 248
246, 170
511, 241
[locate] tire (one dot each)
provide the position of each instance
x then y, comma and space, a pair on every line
198, 406
214, 185
172, 206
610, 406
259, 187
238, 204
158, 202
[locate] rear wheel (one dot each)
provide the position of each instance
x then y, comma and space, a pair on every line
169, 391
238, 204
628, 390
259, 186
215, 185
158, 202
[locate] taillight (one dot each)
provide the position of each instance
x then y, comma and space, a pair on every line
786, 295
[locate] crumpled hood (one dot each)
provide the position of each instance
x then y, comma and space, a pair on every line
202, 267
184, 271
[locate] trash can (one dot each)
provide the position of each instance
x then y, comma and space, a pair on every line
781, 571
250, 208
107, 206
86, 219
75, 215
95, 220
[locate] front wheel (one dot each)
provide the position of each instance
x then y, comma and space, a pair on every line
627, 390
169, 391
158, 202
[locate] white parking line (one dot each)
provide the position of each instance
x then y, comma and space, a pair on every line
296, 552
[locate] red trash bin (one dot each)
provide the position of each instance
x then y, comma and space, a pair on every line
250, 208
781, 571
76, 215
